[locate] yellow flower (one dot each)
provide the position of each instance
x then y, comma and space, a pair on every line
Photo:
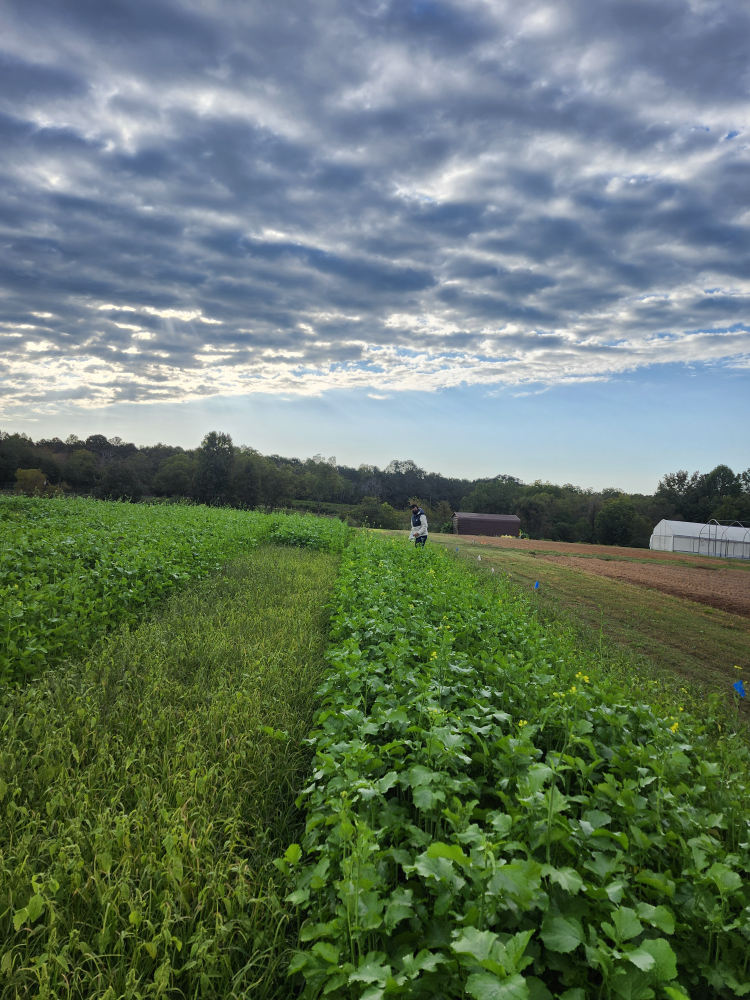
573, 690
736, 667
675, 727
522, 723
582, 677
433, 655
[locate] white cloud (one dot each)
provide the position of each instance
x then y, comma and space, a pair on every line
381, 195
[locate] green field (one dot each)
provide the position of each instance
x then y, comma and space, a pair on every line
72, 568
146, 791
505, 796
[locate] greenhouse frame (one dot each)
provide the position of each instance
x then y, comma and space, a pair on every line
723, 541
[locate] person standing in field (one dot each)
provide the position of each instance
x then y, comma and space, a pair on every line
418, 525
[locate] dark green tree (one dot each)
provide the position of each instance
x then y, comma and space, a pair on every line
213, 474
246, 479
81, 470
619, 523
120, 481
374, 514
174, 477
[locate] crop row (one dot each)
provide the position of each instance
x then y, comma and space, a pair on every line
71, 568
488, 817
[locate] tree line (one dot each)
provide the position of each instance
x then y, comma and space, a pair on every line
219, 472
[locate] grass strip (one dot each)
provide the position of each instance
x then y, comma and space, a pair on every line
71, 568
145, 792
490, 815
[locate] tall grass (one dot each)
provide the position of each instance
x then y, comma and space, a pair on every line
145, 792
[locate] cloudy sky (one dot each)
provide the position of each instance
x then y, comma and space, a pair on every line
344, 224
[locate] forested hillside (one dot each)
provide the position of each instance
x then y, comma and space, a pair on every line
222, 473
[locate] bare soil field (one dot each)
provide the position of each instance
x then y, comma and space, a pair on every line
720, 588
719, 583
608, 552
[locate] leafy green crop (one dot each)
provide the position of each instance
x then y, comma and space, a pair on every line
488, 818
71, 568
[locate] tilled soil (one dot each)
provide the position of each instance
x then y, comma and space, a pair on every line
583, 548
720, 588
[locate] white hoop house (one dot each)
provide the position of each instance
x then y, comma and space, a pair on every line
712, 539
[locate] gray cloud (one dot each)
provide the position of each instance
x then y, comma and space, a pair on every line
220, 197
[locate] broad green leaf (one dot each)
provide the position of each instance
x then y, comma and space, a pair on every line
640, 839
423, 961
326, 951
567, 878
398, 907
559, 802
615, 891
726, 880
602, 865
293, 854
35, 908
369, 909
626, 923
450, 851
596, 818
514, 959
335, 981
387, 781
501, 824
657, 916
675, 993
641, 959
298, 897
520, 880
538, 775
19, 918
657, 881
439, 869
562, 934
537, 989
575, 994
372, 970
419, 775
632, 984
298, 962
486, 986
475, 943
423, 797
313, 931
664, 958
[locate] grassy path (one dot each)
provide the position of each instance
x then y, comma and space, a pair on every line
657, 632
146, 792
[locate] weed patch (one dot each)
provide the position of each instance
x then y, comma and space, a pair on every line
145, 792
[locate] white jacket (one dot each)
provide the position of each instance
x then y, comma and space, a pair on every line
421, 530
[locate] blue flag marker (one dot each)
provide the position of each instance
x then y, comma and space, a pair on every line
456, 548
739, 687
536, 585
